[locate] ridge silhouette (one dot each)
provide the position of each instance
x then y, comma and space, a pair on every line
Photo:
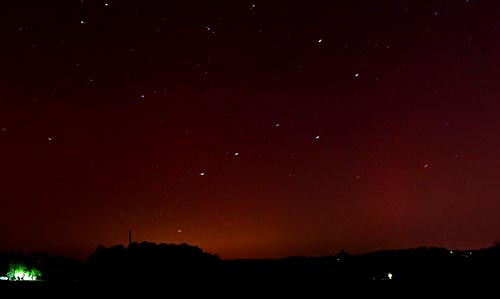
188, 268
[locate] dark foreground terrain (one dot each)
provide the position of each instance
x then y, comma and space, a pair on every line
187, 270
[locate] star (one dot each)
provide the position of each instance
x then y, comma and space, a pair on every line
277, 125
426, 165
320, 41
202, 174
356, 75
179, 231
317, 137
49, 139
236, 154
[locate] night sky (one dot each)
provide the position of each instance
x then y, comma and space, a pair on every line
249, 128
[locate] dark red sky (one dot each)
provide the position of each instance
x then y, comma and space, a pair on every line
250, 128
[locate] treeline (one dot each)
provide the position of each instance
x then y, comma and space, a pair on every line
175, 265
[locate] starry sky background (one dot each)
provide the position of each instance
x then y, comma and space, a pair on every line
249, 128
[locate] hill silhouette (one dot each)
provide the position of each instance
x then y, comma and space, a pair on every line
189, 268
149, 262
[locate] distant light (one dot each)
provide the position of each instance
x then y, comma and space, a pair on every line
389, 275
4, 278
236, 154
320, 40
317, 137
451, 251
83, 22
426, 165
202, 174
277, 125
142, 96
179, 231
356, 75
49, 139
106, 4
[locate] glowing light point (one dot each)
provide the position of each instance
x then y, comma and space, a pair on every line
49, 138
236, 154
426, 165
277, 125
320, 41
317, 137
356, 75
202, 174
179, 231
389, 275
